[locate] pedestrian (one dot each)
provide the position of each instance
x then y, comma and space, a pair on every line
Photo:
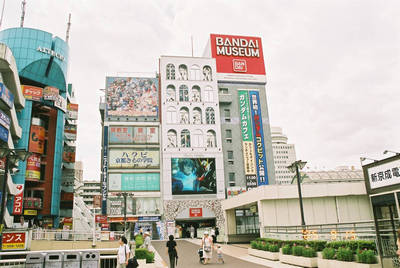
147, 241
398, 243
172, 252
123, 253
207, 245
220, 258
192, 231
214, 238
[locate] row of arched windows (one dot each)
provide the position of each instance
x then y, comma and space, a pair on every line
184, 116
195, 140
195, 73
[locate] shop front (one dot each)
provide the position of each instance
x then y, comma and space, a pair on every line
382, 180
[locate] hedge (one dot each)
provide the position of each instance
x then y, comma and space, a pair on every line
142, 253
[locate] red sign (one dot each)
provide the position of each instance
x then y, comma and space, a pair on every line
14, 241
18, 200
32, 93
101, 218
195, 212
121, 219
67, 220
238, 54
36, 140
33, 167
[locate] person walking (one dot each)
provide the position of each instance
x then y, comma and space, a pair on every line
147, 241
214, 238
123, 253
207, 245
172, 252
192, 231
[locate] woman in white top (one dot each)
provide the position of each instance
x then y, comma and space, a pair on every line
207, 245
123, 253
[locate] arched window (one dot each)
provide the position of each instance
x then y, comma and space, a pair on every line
210, 116
170, 71
195, 72
185, 138
183, 93
207, 73
171, 115
208, 94
197, 118
183, 72
211, 139
196, 97
171, 135
197, 138
184, 115
171, 93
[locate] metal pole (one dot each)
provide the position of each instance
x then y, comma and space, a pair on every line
3, 201
303, 224
124, 213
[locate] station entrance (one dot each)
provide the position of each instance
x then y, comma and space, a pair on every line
200, 226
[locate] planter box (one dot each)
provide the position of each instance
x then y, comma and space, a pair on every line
142, 262
323, 263
273, 256
299, 261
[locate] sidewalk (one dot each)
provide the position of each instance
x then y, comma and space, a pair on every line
240, 251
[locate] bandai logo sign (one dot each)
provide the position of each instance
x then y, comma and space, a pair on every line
239, 66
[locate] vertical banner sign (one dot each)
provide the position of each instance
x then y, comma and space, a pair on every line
18, 200
36, 140
104, 173
33, 167
259, 145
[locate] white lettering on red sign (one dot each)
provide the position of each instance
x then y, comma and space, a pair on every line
241, 47
239, 65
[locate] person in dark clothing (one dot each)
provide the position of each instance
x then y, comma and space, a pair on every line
172, 252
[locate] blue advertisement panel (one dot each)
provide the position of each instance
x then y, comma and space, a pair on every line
140, 182
5, 121
104, 173
259, 145
3, 134
6, 95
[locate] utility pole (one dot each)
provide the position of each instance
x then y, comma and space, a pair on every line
68, 28
23, 13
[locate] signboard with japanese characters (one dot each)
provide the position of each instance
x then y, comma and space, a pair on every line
134, 158
5, 121
18, 200
50, 93
133, 135
32, 93
384, 175
195, 212
72, 111
14, 240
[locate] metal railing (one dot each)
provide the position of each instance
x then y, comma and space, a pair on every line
67, 235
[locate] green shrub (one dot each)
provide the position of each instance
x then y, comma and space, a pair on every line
142, 253
309, 253
337, 244
287, 250
273, 248
265, 247
297, 250
254, 244
328, 253
317, 245
138, 241
367, 256
366, 244
344, 254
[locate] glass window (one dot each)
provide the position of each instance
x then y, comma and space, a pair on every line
246, 222
184, 115
197, 138
228, 133
210, 116
196, 97
183, 93
171, 93
185, 138
195, 72
211, 139
171, 115
223, 90
231, 176
227, 114
208, 94
230, 154
183, 72
207, 73
170, 71
171, 135
197, 120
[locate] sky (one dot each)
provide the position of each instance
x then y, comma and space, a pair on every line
333, 66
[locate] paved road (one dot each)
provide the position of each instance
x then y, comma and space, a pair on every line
188, 257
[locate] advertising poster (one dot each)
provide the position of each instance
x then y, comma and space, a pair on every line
70, 132
132, 97
61, 103
193, 176
32, 93
18, 200
134, 158
104, 173
139, 134
69, 154
72, 111
13, 240
97, 201
3, 134
121, 135
33, 167
134, 182
133, 135
36, 140
6, 95
5, 121
258, 133
152, 135
50, 93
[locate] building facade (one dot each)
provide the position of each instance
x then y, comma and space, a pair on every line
192, 158
284, 156
42, 64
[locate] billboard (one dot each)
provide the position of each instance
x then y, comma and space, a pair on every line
384, 175
133, 135
238, 58
50, 93
6, 95
36, 139
70, 132
18, 200
61, 103
32, 93
193, 176
259, 144
5, 121
134, 158
3, 134
72, 111
69, 154
104, 170
132, 97
33, 167
134, 182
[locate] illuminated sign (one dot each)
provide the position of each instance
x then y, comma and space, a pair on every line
195, 212
14, 240
18, 199
50, 52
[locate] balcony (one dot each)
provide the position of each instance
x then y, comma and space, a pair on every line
225, 98
33, 203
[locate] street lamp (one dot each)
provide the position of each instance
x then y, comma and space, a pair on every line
388, 151
125, 194
296, 167
362, 159
12, 157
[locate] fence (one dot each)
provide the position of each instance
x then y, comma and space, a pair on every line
66, 235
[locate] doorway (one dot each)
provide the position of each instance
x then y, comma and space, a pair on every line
199, 227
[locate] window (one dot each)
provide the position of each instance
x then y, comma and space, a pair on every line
170, 71
185, 138
196, 97
246, 221
231, 179
211, 139
183, 72
171, 115
230, 157
195, 72
210, 116
197, 120
228, 135
197, 138
171, 135
208, 94
223, 90
171, 93
183, 93
184, 115
227, 114
207, 73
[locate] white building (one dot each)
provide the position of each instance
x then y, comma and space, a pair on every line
192, 169
284, 156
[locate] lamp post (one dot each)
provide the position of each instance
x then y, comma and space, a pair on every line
393, 152
12, 157
296, 167
125, 194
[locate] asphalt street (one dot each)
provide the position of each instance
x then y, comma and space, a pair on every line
188, 257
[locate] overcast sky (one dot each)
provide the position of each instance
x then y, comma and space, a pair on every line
333, 66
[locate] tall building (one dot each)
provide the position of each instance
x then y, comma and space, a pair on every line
193, 168
90, 191
241, 76
42, 64
284, 156
131, 153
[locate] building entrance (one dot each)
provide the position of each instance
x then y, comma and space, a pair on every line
183, 227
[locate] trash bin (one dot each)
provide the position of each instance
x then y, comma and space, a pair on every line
90, 259
72, 260
35, 260
54, 260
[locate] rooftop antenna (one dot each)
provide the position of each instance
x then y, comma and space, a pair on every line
2, 13
68, 28
191, 38
23, 13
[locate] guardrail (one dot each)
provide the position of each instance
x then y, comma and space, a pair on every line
66, 235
